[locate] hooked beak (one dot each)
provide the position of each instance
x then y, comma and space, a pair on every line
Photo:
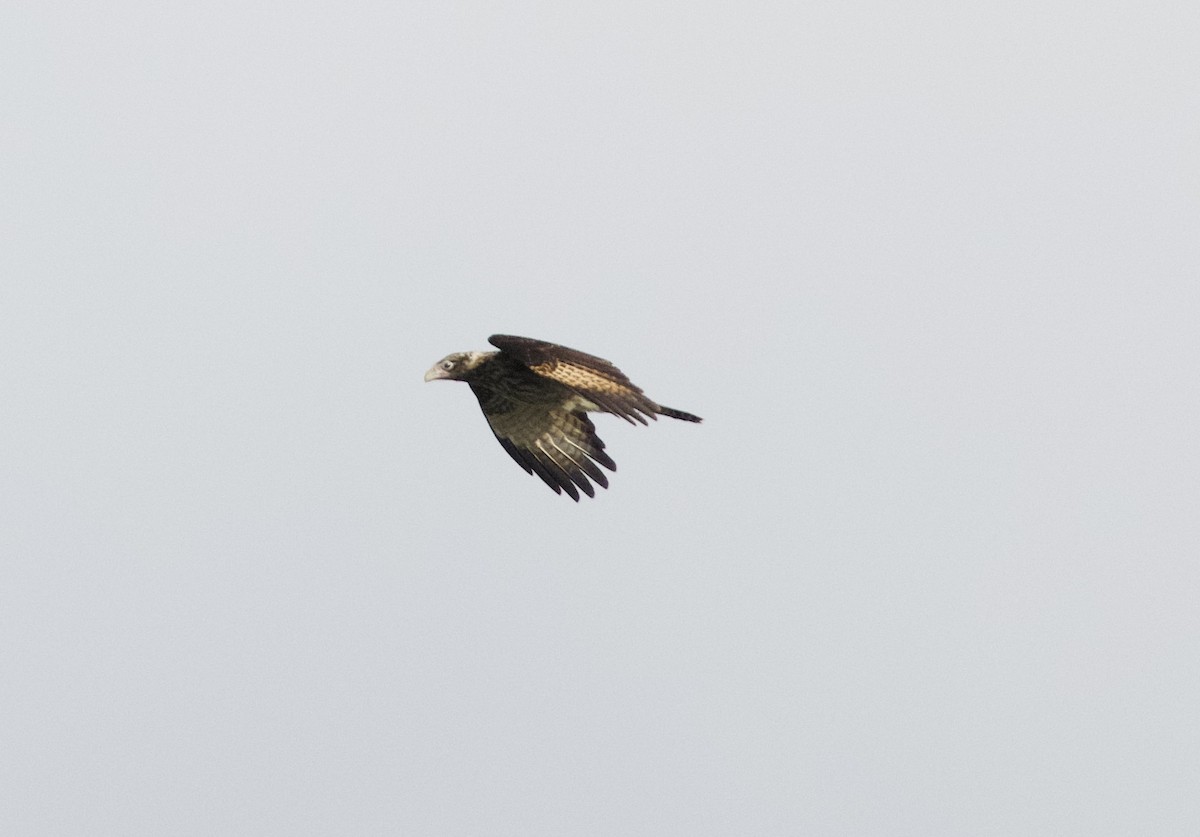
434, 374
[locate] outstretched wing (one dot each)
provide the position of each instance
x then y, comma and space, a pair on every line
594, 378
554, 441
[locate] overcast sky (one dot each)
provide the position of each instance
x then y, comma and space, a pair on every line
929, 271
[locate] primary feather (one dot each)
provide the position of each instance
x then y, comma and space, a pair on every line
536, 395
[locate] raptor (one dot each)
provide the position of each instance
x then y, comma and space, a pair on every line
536, 396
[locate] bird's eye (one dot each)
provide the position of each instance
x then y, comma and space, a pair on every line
447, 365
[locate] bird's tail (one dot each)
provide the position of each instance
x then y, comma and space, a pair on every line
678, 414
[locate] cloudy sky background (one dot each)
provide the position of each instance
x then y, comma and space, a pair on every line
930, 273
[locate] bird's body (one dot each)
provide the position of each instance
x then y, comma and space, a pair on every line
536, 396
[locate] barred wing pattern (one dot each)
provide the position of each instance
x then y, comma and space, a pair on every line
594, 378
552, 440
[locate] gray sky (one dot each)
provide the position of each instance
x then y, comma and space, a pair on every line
929, 272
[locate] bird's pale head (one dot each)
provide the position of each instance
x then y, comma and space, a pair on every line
454, 367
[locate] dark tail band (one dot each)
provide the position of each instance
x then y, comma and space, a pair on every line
678, 414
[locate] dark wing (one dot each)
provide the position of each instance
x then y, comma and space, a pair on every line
594, 378
552, 440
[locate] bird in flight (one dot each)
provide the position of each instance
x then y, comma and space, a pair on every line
536, 396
